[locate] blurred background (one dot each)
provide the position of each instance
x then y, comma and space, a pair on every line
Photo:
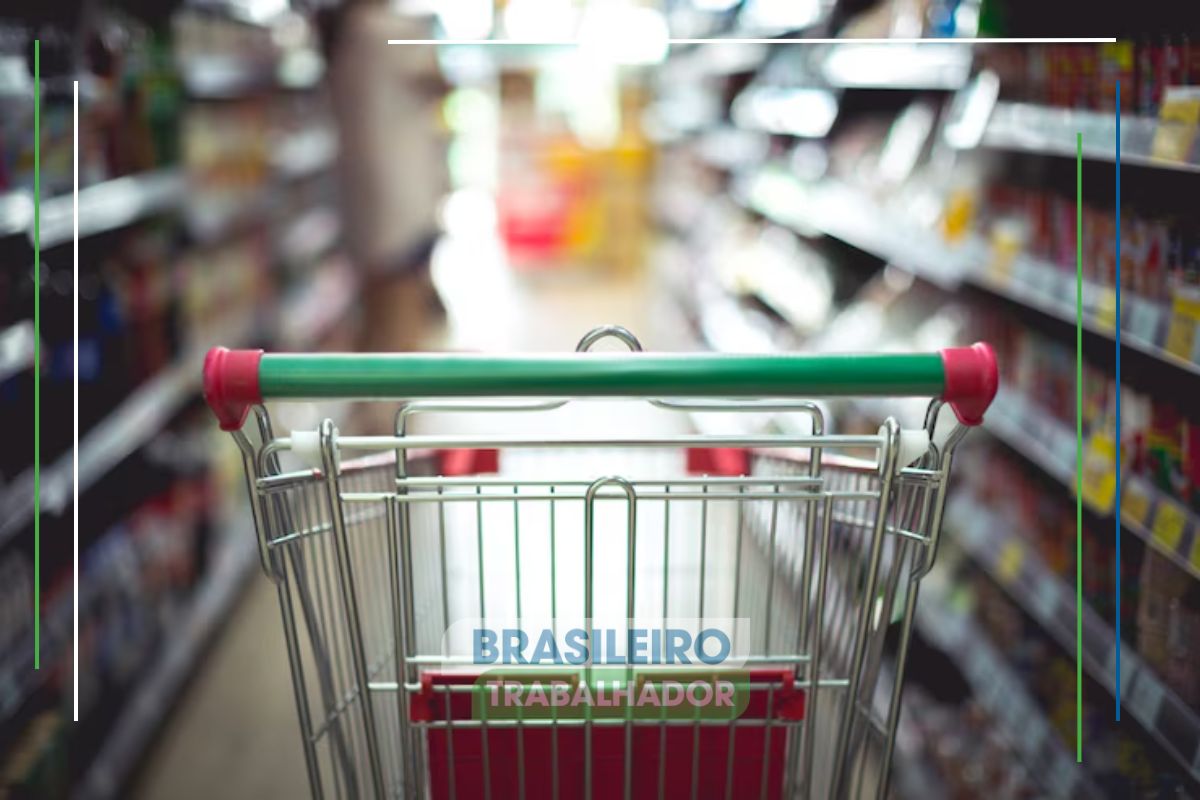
270, 173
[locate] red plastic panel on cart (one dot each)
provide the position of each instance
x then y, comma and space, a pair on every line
459, 461
460, 751
725, 461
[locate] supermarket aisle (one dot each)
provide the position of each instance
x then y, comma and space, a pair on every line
235, 726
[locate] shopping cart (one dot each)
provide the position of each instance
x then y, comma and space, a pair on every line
393, 569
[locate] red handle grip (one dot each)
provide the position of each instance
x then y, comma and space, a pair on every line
972, 379
231, 384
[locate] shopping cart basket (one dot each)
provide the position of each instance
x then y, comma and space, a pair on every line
408, 575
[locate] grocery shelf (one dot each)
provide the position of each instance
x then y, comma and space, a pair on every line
1003, 554
157, 688
1047, 130
1050, 290
1040, 439
1001, 692
102, 207
142, 414
295, 155
1161, 522
834, 209
110, 205
1146, 512
114, 438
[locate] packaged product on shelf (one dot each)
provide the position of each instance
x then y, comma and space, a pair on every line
1168, 624
1117, 65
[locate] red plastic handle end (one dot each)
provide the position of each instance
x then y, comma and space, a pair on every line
972, 379
231, 384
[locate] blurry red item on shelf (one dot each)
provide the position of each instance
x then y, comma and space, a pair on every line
533, 221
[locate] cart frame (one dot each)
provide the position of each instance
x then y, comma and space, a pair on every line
351, 548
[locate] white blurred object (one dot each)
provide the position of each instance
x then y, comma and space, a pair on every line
808, 113
468, 212
968, 116
780, 15
624, 34
540, 20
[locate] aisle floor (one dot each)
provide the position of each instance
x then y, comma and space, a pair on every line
235, 727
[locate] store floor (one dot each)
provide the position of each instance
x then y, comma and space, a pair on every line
234, 731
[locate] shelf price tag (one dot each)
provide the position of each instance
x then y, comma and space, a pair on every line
1183, 334
1008, 563
1147, 699
1100, 472
1105, 313
1169, 523
1135, 504
1194, 556
1006, 246
1145, 319
1046, 599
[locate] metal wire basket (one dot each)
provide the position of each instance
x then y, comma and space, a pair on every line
395, 568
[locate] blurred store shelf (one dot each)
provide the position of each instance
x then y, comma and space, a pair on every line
125, 430
1146, 511
1050, 290
839, 211
1047, 130
214, 77
111, 205
1001, 692
16, 349
1009, 559
1033, 433
311, 311
310, 235
162, 680
836, 210
102, 207
295, 156
1163, 523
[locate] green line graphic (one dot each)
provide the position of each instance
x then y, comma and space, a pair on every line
37, 354
1079, 448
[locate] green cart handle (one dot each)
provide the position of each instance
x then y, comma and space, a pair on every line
965, 377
